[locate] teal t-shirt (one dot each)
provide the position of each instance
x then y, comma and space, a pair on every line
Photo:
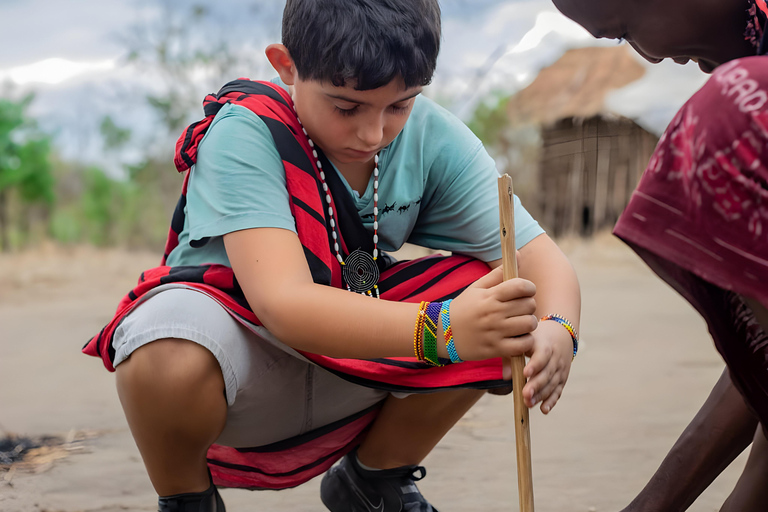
437, 188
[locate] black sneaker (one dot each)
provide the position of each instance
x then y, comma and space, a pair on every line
347, 487
206, 501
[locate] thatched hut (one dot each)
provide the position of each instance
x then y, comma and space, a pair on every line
591, 158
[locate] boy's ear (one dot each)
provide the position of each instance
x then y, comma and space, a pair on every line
281, 60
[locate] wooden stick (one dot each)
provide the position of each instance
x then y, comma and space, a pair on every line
522, 428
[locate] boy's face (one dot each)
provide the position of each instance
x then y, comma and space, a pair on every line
351, 126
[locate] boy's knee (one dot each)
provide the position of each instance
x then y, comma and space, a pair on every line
172, 393
170, 365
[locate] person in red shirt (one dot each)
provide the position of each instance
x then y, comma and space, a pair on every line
699, 219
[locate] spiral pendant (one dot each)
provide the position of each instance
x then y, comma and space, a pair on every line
360, 271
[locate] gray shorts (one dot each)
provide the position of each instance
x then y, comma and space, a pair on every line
273, 393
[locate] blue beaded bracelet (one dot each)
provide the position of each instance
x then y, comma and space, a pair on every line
445, 317
569, 327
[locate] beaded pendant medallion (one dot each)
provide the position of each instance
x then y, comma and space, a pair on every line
360, 272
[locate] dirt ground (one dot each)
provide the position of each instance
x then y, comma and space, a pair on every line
646, 365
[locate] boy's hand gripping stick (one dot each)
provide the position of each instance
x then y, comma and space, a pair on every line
522, 429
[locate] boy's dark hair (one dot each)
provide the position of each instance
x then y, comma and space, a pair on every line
370, 42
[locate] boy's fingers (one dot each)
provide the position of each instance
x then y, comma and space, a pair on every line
489, 280
506, 368
534, 387
519, 307
518, 325
516, 346
538, 361
550, 402
544, 387
514, 289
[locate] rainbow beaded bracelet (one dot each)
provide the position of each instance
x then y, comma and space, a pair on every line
445, 317
418, 331
430, 333
568, 327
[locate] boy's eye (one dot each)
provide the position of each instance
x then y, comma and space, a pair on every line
346, 111
397, 109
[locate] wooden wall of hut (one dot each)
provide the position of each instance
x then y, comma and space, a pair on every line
589, 168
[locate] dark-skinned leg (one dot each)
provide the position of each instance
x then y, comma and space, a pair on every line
751, 491
407, 429
722, 428
719, 432
760, 311
172, 393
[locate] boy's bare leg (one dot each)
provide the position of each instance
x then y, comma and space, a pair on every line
407, 429
719, 432
172, 392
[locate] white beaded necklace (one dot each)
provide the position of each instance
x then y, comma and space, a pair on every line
360, 270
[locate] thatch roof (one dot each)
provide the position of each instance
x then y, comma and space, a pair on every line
576, 85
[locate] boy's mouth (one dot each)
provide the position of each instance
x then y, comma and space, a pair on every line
362, 154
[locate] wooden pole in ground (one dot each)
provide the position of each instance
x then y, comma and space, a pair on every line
522, 428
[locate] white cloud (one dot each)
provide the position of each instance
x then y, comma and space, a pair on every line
54, 71
499, 47
80, 30
548, 22
509, 20
653, 100
503, 51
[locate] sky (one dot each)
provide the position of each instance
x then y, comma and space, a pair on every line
72, 54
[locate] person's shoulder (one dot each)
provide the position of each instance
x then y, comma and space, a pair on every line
236, 116
236, 129
231, 113
236, 124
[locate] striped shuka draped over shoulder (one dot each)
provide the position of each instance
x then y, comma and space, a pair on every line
435, 278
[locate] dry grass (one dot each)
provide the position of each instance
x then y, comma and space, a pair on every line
38, 454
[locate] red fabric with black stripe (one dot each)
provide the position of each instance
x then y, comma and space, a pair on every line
434, 278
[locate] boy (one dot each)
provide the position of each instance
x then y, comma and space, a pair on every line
249, 335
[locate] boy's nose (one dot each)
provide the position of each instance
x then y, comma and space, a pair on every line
371, 132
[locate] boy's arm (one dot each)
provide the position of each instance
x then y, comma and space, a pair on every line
557, 292
271, 268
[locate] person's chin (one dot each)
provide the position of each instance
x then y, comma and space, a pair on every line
707, 66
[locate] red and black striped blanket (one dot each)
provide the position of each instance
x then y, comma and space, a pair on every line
435, 278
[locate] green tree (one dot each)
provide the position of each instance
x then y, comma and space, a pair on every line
25, 168
186, 49
115, 137
490, 120
102, 202
516, 148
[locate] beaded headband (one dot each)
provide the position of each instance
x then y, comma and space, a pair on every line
757, 12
